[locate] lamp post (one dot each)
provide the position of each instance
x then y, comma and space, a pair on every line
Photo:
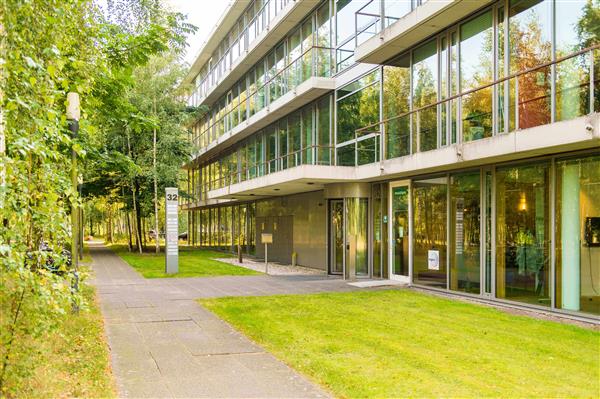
73, 114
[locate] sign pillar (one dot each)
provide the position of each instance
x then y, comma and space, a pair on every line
171, 231
266, 239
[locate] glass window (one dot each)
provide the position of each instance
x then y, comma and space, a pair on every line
283, 144
295, 134
294, 52
578, 234
530, 32
324, 123
358, 110
523, 234
272, 148
425, 83
323, 41
476, 69
345, 11
307, 135
430, 238
367, 150
345, 155
380, 232
396, 101
357, 219
465, 232
307, 53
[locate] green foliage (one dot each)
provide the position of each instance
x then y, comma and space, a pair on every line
49, 48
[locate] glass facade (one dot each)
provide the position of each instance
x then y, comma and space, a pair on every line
525, 231
224, 227
578, 234
507, 211
442, 91
253, 21
302, 54
303, 137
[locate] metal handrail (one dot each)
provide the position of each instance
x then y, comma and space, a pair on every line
485, 86
242, 33
244, 171
267, 84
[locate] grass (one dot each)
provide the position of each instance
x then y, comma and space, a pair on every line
192, 263
74, 361
402, 343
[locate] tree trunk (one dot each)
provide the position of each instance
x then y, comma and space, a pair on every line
138, 225
128, 222
138, 237
157, 249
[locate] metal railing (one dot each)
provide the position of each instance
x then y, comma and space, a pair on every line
368, 22
315, 61
422, 128
263, 18
311, 155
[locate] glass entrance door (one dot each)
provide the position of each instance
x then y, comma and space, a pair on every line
336, 236
400, 231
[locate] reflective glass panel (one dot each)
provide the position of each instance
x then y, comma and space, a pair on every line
523, 234
396, 101
357, 220
425, 84
430, 236
476, 69
465, 232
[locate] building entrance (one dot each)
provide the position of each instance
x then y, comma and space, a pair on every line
348, 237
400, 243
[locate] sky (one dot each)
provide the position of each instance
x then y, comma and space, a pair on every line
202, 13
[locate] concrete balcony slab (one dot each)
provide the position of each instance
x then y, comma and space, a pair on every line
299, 179
304, 93
279, 27
424, 21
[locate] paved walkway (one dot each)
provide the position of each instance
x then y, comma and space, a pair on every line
163, 344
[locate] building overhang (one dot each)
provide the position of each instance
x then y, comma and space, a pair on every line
303, 94
203, 204
424, 21
299, 179
279, 27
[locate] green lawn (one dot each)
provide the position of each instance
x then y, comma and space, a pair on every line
401, 343
192, 263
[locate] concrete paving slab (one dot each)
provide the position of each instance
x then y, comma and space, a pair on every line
164, 344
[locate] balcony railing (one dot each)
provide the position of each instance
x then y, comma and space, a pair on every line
376, 15
558, 90
239, 45
315, 61
311, 155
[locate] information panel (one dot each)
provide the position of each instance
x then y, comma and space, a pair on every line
171, 231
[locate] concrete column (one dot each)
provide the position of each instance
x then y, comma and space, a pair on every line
570, 232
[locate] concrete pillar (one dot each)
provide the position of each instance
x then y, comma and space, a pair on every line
570, 232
